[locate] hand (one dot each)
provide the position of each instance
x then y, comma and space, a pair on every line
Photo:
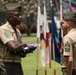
25, 45
30, 48
23, 54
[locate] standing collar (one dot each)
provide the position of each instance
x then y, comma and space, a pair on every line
74, 29
9, 26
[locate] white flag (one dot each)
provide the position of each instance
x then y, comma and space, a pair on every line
38, 22
45, 41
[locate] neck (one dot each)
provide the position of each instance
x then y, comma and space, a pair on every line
13, 25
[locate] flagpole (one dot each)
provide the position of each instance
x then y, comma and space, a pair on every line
69, 2
49, 53
54, 58
53, 42
61, 13
45, 69
47, 37
37, 57
38, 36
61, 10
49, 49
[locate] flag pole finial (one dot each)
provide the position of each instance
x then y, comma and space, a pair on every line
51, 3
38, 2
44, 2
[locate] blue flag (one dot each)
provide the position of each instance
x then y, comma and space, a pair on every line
55, 39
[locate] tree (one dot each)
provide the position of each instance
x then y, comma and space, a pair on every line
29, 14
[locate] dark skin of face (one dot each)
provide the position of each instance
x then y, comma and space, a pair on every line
14, 18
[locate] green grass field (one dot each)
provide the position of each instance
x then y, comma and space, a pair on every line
29, 62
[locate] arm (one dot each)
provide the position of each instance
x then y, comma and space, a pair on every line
20, 48
11, 44
69, 64
68, 54
15, 46
8, 40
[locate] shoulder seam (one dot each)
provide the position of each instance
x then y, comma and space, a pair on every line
69, 39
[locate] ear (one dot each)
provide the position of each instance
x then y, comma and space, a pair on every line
69, 22
9, 18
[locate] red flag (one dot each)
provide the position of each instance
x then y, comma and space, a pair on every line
60, 39
45, 40
71, 9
